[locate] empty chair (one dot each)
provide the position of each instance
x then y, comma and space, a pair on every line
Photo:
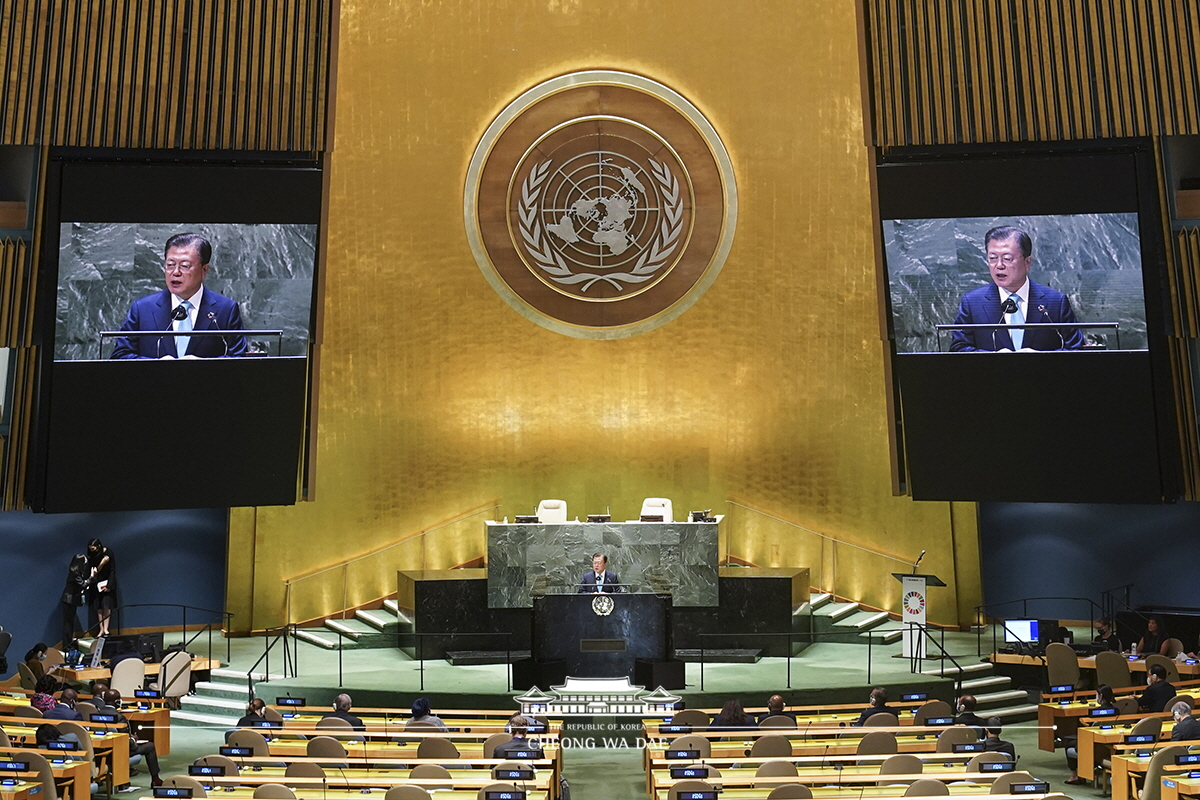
1180, 698
269, 714
679, 787
692, 717
128, 676
407, 793
777, 722
45, 775
927, 787
85, 743
245, 737
934, 709
492, 742
1126, 705
494, 787
1062, 665
186, 782
693, 742
771, 746
882, 720
1003, 783
877, 743
304, 769
773, 769
274, 791
85, 709
957, 734
507, 765
430, 771
28, 679
1151, 787
437, 748
175, 676
986, 758
1174, 648
1166, 663
552, 511
325, 747
900, 764
4, 740
1149, 725
790, 791
1112, 668
231, 767
26, 711
657, 507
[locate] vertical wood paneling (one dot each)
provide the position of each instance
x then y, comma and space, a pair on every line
211, 74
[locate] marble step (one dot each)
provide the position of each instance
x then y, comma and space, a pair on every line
381, 620
196, 719
836, 611
992, 700
1011, 714
226, 691
818, 599
948, 670
319, 637
227, 675
976, 685
863, 620
219, 706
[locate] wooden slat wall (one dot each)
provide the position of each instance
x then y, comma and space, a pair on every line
16, 326
194, 74
16, 293
959, 71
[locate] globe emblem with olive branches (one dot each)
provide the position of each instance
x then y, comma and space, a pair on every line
601, 218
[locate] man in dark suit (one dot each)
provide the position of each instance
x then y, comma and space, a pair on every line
1158, 690
876, 704
65, 708
1186, 726
599, 578
776, 708
519, 726
1013, 299
994, 744
967, 715
185, 305
109, 702
341, 710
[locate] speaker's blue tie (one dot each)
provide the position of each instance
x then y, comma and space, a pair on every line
185, 324
1017, 334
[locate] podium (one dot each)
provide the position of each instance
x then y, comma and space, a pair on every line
601, 635
912, 609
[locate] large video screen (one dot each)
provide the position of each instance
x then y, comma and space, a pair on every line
1087, 265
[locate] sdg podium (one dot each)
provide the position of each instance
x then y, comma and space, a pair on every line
912, 609
601, 635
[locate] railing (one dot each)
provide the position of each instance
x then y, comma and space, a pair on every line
291, 658
420, 651
1109, 600
118, 616
824, 554
914, 660
368, 570
983, 616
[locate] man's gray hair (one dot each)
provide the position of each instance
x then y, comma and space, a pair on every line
1182, 709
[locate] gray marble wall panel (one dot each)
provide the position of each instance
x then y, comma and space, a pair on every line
103, 267
1094, 259
680, 557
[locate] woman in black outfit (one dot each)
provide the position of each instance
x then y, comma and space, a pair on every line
1154, 640
72, 597
733, 717
102, 580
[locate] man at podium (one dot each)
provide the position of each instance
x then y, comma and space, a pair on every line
599, 578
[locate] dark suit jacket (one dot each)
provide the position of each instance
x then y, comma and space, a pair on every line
994, 744
1186, 729
1156, 696
61, 711
871, 711
153, 313
516, 746
354, 721
587, 584
982, 306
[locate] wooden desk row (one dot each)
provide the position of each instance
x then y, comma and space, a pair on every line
151, 721
1086, 663
1059, 720
72, 776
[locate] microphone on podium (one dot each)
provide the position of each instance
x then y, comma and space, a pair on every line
1009, 306
918, 562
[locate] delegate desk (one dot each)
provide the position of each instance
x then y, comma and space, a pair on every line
1131, 764
1087, 663
319, 792
392, 721
90, 674
72, 776
110, 746
849, 792
1178, 787
150, 723
1098, 743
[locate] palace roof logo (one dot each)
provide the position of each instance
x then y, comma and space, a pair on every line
600, 204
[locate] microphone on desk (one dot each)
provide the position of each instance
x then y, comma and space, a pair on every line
324, 789
179, 314
917, 563
1009, 306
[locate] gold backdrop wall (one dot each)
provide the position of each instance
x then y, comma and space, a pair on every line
436, 398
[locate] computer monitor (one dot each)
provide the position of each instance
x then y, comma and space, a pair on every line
1020, 631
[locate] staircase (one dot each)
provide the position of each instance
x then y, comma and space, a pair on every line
994, 695
370, 628
849, 623
219, 702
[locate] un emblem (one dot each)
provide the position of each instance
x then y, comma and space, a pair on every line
600, 204
603, 605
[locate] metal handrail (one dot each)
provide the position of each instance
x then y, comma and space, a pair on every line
982, 619
288, 583
914, 659
420, 651
273, 636
226, 616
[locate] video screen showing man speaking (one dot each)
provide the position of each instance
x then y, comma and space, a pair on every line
115, 276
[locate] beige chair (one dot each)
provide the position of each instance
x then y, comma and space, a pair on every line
1174, 648
657, 506
927, 787
325, 747
882, 720
245, 737
87, 751
45, 775
1113, 668
1062, 665
231, 767
85, 709
679, 787
694, 718
437, 748
407, 793
955, 734
934, 709
270, 714
494, 787
274, 791
877, 743
430, 771
4, 740
552, 511
175, 676
771, 746
1180, 698
986, 758
1150, 726
777, 722
1166, 663
791, 791
900, 764
420, 726
55, 658
693, 741
304, 769
507, 765
28, 679
333, 724
1003, 783
1151, 787
492, 742
773, 769
1126, 706
186, 782
128, 676
26, 711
